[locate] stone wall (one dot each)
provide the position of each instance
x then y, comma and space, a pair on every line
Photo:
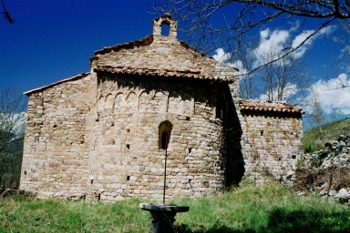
102, 135
98, 137
326, 172
128, 161
271, 145
55, 149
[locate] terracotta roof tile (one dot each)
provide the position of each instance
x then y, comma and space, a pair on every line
269, 106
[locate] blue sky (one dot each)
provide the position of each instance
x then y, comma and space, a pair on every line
53, 40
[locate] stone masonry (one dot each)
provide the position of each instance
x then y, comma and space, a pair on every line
103, 134
272, 139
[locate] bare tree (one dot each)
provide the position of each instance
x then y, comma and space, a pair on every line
12, 122
247, 15
316, 117
244, 59
280, 81
284, 79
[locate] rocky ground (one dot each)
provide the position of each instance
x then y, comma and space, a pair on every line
327, 172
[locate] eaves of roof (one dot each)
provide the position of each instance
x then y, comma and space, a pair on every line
160, 72
268, 106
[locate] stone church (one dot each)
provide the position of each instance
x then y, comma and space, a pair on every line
104, 134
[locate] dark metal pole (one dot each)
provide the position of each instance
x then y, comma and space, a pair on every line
166, 157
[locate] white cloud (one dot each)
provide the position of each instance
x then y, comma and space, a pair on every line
265, 33
271, 44
290, 90
274, 42
333, 94
326, 31
298, 40
222, 56
239, 65
295, 26
345, 55
346, 50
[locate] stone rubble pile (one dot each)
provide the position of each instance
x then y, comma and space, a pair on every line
327, 172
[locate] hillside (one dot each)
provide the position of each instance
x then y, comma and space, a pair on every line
315, 138
324, 168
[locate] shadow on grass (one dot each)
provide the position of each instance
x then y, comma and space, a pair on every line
282, 220
183, 228
299, 221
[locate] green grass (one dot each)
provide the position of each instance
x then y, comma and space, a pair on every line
331, 131
32, 215
272, 208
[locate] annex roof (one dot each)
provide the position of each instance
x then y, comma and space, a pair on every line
269, 106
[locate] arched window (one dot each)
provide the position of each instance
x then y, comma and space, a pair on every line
165, 29
164, 134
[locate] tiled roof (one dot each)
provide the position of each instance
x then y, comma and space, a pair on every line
160, 72
269, 106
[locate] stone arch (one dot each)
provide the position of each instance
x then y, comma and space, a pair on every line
159, 101
118, 102
165, 29
175, 104
100, 103
187, 104
145, 101
109, 102
132, 101
165, 20
165, 129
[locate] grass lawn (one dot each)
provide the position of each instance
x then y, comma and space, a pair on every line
272, 208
